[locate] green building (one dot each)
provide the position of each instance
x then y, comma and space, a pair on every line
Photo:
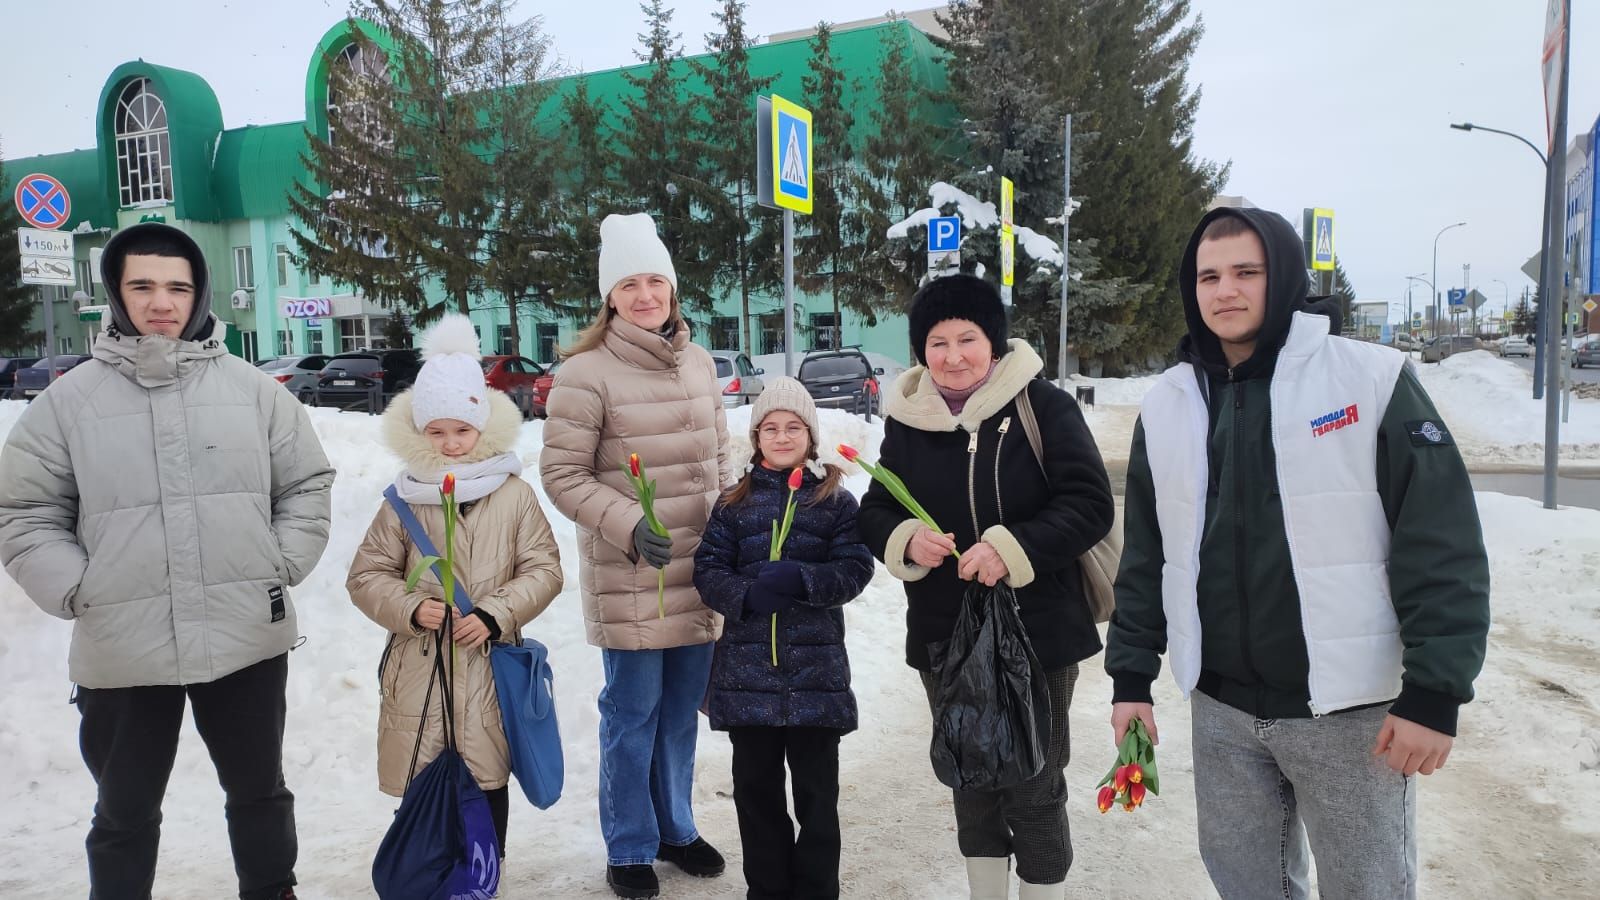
161, 152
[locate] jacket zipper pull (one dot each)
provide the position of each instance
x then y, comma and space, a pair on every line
972, 445
1005, 424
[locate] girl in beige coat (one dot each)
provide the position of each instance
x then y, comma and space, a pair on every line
635, 384
505, 559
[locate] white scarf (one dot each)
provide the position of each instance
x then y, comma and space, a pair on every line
474, 481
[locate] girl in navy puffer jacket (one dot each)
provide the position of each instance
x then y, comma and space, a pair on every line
799, 707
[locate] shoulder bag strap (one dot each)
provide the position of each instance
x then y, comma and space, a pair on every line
420, 538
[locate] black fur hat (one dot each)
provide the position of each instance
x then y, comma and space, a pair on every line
957, 297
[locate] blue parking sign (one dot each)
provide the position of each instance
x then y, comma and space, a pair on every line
944, 234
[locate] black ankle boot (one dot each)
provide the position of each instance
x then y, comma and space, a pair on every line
633, 881
698, 858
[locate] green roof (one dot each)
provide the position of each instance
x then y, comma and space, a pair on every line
255, 169
194, 122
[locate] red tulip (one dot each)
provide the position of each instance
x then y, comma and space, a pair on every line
848, 452
1107, 798
1136, 793
795, 478
449, 486
1135, 774
1120, 779
633, 464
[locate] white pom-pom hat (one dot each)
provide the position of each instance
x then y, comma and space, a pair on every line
630, 246
450, 385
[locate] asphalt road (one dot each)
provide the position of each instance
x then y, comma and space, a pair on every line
1571, 490
1588, 374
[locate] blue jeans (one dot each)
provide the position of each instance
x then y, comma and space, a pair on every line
649, 719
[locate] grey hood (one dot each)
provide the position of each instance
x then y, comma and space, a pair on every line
116, 254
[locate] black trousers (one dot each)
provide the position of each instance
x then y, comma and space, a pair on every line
129, 739
499, 810
777, 865
1028, 820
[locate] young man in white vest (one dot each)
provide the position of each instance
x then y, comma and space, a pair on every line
1303, 543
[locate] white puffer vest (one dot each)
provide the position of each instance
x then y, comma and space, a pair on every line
1328, 399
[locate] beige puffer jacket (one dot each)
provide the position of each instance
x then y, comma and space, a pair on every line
510, 567
638, 393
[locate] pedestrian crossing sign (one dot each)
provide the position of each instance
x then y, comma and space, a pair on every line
1322, 240
791, 156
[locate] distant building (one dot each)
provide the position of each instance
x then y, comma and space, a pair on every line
1230, 201
924, 20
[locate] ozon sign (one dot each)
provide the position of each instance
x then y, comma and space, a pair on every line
318, 308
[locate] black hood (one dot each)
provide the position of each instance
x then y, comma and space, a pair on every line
1287, 293
116, 253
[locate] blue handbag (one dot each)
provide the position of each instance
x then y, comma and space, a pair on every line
525, 685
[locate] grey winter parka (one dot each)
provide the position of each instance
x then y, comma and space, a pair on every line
164, 495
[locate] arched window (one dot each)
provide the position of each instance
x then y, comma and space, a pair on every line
355, 88
144, 151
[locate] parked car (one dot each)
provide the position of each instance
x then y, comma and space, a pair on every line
739, 378
348, 378
1587, 354
841, 379
31, 381
1436, 349
1404, 341
296, 373
515, 375
9, 366
541, 389
1515, 346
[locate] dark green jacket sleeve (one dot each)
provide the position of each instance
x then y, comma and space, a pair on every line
1137, 635
1438, 568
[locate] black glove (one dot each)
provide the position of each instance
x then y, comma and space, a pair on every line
651, 547
488, 620
778, 586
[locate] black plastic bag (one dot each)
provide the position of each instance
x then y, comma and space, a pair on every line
991, 720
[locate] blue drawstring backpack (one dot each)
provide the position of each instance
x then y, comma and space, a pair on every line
441, 845
525, 685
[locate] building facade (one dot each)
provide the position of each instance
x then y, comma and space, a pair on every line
161, 154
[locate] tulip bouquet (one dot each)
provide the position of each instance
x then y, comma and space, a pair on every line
646, 492
895, 486
780, 534
1134, 773
447, 574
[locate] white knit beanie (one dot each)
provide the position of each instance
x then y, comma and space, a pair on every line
450, 385
629, 246
789, 395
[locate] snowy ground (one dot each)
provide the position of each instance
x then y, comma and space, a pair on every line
1516, 813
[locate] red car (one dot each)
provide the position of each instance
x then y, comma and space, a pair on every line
519, 377
541, 388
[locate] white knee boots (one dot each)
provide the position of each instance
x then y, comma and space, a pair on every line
988, 877
1056, 891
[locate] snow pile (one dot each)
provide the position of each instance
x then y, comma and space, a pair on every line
1526, 759
1488, 404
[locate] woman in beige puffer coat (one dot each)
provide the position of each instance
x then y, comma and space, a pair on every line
634, 384
505, 558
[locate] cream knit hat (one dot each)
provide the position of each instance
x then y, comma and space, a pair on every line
789, 395
450, 385
629, 246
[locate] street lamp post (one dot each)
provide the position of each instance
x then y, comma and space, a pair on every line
1435, 281
1544, 241
1505, 301
1409, 279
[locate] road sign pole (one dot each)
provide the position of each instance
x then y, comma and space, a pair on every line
788, 292
1066, 274
1555, 182
49, 334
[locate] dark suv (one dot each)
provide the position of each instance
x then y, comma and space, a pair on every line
349, 378
8, 372
31, 381
841, 379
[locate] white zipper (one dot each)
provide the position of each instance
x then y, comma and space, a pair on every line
972, 484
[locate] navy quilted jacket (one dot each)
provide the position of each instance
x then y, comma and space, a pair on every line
810, 686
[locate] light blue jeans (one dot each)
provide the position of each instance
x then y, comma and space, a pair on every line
1263, 786
649, 720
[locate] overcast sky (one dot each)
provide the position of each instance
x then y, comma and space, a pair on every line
1338, 104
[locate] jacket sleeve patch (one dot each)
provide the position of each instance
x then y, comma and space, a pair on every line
1429, 433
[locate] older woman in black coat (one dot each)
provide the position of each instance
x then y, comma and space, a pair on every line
954, 436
